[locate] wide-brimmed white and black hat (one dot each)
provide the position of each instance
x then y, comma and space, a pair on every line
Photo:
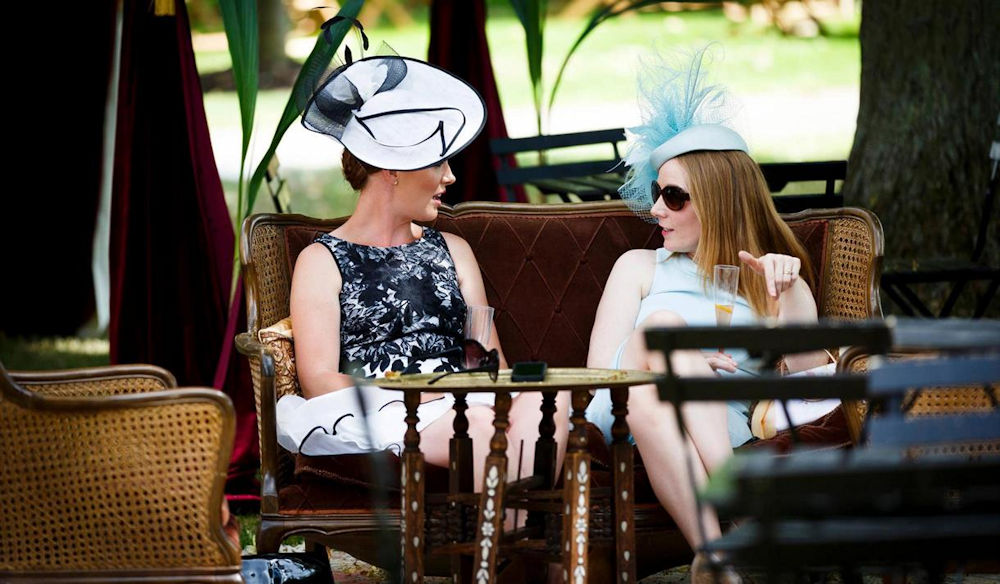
396, 113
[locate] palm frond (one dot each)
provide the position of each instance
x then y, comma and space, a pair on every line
531, 14
239, 18
314, 67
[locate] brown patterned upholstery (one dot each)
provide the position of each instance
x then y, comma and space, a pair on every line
113, 474
544, 267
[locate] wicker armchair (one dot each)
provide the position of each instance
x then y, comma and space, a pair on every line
112, 474
544, 267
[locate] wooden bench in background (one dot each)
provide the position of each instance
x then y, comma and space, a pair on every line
598, 178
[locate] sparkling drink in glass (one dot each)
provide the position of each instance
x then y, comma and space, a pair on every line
479, 324
725, 284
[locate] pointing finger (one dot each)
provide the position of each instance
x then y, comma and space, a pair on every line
754, 263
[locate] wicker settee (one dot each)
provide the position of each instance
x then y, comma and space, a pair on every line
544, 267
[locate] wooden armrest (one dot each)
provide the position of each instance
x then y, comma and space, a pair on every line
262, 366
96, 381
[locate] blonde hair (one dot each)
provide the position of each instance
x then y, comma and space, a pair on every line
736, 212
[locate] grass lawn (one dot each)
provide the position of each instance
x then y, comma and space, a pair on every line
41, 353
796, 99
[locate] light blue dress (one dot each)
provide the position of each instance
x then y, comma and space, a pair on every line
679, 288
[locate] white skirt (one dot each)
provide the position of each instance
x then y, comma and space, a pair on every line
333, 423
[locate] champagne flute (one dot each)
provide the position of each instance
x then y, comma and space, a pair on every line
479, 324
725, 283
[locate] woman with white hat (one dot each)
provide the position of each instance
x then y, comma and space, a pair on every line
692, 176
381, 292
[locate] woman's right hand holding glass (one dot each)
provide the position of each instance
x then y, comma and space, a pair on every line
723, 361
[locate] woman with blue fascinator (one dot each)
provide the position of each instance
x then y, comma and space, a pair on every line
382, 292
692, 176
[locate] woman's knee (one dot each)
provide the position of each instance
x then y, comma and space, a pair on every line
648, 410
480, 421
636, 354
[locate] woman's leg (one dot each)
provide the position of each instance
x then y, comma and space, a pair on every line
654, 425
435, 439
525, 415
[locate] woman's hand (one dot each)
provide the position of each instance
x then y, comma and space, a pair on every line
722, 361
780, 271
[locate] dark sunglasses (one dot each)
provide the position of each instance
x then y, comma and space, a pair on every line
673, 197
476, 358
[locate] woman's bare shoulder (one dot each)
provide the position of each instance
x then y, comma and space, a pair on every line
315, 255
451, 239
636, 259
460, 250
317, 262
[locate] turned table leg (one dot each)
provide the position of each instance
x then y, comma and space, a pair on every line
412, 512
460, 480
491, 515
576, 494
545, 452
622, 463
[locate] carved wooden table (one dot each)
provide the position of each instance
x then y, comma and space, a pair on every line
576, 482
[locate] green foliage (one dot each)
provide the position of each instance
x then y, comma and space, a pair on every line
241, 23
313, 68
240, 20
531, 14
44, 353
601, 14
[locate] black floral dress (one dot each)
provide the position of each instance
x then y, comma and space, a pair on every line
400, 306
401, 309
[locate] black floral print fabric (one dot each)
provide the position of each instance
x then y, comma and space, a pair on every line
400, 307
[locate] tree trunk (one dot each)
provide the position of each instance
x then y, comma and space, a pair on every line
930, 97
276, 68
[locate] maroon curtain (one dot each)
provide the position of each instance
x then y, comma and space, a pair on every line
171, 235
458, 44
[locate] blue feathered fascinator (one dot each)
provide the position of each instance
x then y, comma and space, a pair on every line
681, 113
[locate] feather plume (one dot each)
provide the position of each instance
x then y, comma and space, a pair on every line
673, 95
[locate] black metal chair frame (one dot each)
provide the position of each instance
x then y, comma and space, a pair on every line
595, 180
870, 506
770, 344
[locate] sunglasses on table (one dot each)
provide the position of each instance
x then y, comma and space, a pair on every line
476, 359
673, 197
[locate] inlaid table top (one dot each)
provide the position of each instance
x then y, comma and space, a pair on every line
555, 378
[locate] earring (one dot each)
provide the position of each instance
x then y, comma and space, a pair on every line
395, 183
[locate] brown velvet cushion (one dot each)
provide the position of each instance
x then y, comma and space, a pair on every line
328, 483
830, 431
813, 236
545, 275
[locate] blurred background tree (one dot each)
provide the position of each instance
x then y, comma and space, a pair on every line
930, 98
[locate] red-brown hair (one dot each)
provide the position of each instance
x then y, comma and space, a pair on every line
736, 213
355, 171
